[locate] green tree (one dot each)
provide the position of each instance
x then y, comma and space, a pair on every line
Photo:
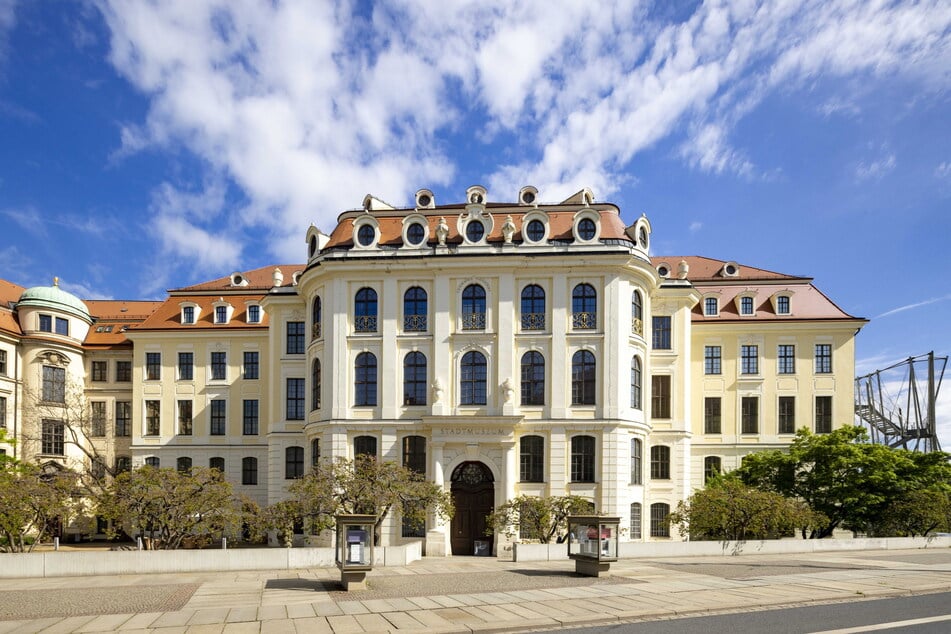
32, 500
366, 486
844, 477
727, 509
919, 513
535, 517
166, 506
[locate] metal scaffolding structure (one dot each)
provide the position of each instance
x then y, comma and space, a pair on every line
898, 404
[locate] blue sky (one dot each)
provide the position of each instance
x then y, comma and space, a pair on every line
147, 145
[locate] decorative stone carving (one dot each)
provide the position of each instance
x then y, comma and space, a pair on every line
442, 231
437, 390
508, 390
682, 269
278, 277
508, 229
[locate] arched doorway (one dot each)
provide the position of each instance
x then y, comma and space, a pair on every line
473, 495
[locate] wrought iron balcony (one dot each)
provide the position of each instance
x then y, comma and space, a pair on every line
533, 321
584, 321
473, 321
365, 323
414, 323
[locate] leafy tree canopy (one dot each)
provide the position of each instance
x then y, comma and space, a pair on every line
534, 517
32, 499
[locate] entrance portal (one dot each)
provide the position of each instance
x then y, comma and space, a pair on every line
473, 496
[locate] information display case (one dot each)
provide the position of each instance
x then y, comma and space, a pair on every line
593, 543
354, 549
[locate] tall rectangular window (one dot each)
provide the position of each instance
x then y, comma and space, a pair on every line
660, 396
54, 384
295, 337
97, 418
660, 334
99, 370
635, 520
749, 359
62, 326
414, 454
249, 471
637, 461
221, 314
185, 418
153, 366
123, 371
531, 458
711, 307
711, 415
254, 314
786, 359
787, 415
823, 358
582, 459
823, 414
218, 414
186, 364
711, 360
660, 525
3, 412
250, 418
295, 399
219, 366
3, 362
749, 414
123, 418
660, 462
251, 367
782, 305
153, 418
746, 305
188, 314
53, 442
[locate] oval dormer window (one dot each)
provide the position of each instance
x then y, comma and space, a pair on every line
365, 235
535, 230
475, 198
424, 200
528, 197
475, 230
663, 271
730, 269
415, 233
587, 229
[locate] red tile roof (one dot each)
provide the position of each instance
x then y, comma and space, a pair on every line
258, 279
168, 316
9, 293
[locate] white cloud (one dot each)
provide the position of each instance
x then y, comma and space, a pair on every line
306, 106
913, 305
695, 226
943, 170
28, 218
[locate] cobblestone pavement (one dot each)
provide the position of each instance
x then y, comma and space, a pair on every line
461, 594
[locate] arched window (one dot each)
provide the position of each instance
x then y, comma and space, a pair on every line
660, 462
365, 309
183, 464
472, 384
415, 310
314, 451
636, 378
414, 454
637, 313
533, 378
473, 307
712, 466
315, 385
636, 520
582, 378
316, 318
533, 307
249, 471
293, 463
364, 381
153, 461
414, 379
660, 527
584, 307
217, 463
364, 446
313, 246
582, 459
637, 461
531, 456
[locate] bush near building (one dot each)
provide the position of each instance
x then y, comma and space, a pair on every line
536, 518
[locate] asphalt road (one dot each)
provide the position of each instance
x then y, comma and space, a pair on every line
920, 614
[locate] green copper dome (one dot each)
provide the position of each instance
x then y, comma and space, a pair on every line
55, 298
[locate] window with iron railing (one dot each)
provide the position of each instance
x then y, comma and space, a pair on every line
584, 307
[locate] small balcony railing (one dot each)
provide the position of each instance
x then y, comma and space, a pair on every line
584, 321
637, 327
533, 321
414, 323
365, 323
473, 321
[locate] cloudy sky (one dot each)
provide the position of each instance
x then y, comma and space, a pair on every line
148, 145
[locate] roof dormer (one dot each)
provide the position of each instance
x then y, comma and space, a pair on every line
190, 313
711, 304
238, 279
730, 269
366, 232
586, 226
782, 302
746, 303
476, 195
528, 195
223, 311
425, 199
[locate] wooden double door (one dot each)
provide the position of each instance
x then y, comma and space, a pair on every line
473, 496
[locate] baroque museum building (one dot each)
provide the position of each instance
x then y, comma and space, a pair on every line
499, 348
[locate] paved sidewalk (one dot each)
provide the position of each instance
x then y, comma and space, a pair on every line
461, 594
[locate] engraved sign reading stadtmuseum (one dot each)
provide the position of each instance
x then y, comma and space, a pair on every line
472, 431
